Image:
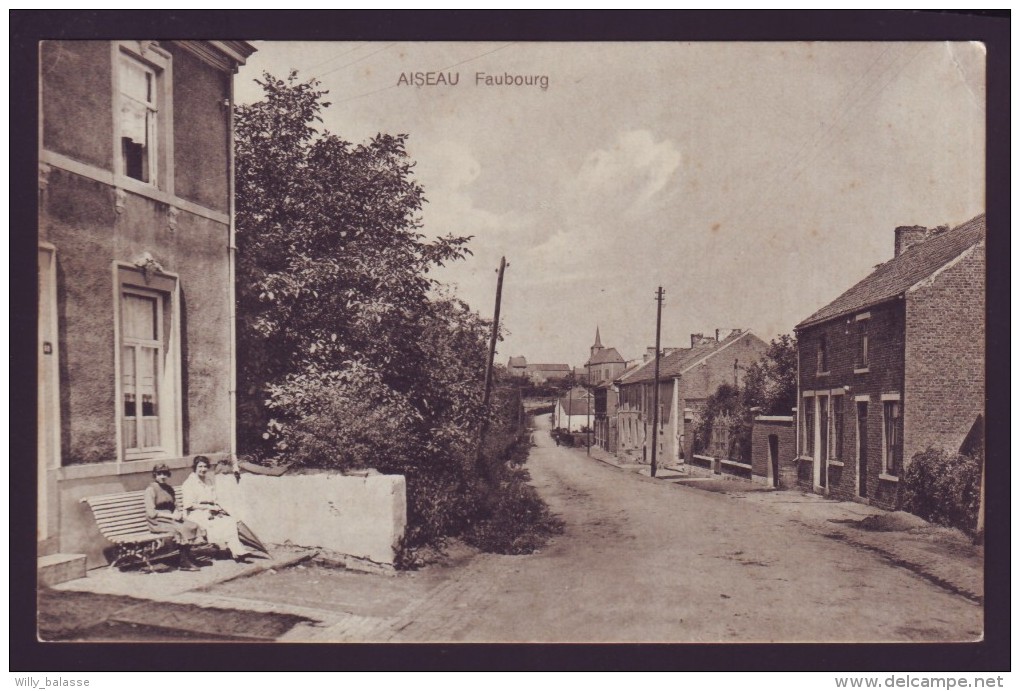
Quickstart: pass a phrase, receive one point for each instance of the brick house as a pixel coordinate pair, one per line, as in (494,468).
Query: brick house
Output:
(135,260)
(687,377)
(894,365)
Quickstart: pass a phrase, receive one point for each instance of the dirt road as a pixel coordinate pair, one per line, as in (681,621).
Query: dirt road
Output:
(640,560)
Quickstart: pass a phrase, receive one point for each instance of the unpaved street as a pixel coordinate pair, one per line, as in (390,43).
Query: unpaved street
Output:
(646,560)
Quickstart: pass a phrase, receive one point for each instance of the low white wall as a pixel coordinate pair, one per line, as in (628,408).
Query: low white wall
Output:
(358,516)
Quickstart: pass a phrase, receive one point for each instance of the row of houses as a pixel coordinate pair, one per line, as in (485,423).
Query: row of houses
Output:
(537,373)
(892,366)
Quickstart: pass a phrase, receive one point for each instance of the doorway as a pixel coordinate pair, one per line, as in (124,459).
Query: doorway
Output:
(774,458)
(862,449)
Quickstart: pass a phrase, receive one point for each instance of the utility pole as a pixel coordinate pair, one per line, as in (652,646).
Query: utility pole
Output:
(587,434)
(488,366)
(655,411)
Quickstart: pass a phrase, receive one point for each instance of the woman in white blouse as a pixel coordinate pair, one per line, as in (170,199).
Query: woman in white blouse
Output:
(201,506)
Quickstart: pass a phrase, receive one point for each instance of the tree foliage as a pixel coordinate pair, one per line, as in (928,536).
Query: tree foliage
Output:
(332,267)
(349,354)
(771,383)
(723,427)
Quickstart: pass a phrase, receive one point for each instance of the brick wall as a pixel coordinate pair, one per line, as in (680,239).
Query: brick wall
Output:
(786,434)
(945,349)
(884,375)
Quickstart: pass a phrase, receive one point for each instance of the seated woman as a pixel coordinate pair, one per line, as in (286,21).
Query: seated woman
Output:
(201,506)
(164,516)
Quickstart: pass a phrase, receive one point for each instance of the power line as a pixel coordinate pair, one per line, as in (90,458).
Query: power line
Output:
(354,62)
(339,55)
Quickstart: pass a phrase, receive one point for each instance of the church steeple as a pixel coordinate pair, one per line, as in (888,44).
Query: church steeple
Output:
(598,343)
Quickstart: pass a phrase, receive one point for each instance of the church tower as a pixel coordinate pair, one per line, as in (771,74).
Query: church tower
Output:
(597,346)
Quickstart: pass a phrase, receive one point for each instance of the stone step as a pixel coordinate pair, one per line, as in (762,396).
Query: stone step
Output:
(60,568)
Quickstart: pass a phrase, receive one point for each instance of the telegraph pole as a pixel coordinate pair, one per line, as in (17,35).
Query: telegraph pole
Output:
(488,365)
(655,412)
(587,434)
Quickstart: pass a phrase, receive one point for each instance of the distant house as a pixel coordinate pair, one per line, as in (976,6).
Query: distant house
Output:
(687,377)
(136,265)
(894,365)
(575,410)
(517,367)
(543,373)
(603,366)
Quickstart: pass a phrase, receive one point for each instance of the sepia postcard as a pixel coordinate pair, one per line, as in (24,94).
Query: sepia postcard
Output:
(512,341)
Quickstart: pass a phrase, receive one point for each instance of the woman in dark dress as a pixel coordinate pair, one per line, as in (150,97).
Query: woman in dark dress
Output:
(164,516)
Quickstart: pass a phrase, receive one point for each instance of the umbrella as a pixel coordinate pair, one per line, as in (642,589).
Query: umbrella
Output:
(249,538)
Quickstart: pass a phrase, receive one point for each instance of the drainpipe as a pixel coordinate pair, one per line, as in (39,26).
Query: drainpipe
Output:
(231,289)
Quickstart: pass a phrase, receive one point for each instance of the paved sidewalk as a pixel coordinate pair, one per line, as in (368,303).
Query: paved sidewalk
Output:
(943,556)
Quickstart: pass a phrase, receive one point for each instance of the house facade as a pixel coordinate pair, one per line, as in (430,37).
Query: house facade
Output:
(894,365)
(574,411)
(687,377)
(543,373)
(517,366)
(603,366)
(135,260)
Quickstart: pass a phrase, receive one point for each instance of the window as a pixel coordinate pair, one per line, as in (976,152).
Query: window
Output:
(862,344)
(823,354)
(138,118)
(809,426)
(142,116)
(149,369)
(891,450)
(836,439)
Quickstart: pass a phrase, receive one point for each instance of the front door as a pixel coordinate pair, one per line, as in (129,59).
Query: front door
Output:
(823,440)
(774,458)
(862,449)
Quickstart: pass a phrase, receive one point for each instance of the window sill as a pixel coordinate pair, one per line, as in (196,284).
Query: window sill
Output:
(82,471)
(805,458)
(888,478)
(822,374)
(861,370)
(838,464)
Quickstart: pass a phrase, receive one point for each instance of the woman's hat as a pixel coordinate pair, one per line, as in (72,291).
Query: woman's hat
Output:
(160,468)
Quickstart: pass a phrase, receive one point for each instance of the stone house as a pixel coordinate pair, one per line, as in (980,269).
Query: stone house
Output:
(543,373)
(894,365)
(136,262)
(517,366)
(603,366)
(687,377)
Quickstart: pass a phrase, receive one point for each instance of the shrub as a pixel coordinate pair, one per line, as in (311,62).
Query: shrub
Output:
(944,488)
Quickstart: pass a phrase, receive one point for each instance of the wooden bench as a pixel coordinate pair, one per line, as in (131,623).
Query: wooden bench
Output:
(121,519)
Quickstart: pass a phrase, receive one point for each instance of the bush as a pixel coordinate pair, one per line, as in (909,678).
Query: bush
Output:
(944,488)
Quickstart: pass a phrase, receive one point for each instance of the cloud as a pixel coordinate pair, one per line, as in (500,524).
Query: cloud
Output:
(634,169)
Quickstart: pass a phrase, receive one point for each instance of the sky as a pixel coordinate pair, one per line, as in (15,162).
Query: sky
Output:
(754,182)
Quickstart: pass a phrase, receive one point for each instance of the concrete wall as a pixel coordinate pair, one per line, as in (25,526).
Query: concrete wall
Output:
(945,356)
(77,92)
(362,517)
(201,153)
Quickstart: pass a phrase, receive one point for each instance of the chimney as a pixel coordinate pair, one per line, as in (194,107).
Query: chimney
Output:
(908,236)
(717,335)
(696,339)
(649,353)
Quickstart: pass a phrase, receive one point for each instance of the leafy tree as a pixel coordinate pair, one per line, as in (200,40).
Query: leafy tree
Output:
(723,427)
(771,382)
(332,269)
(349,354)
